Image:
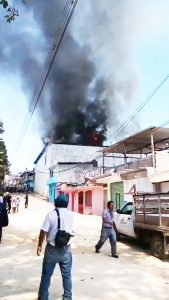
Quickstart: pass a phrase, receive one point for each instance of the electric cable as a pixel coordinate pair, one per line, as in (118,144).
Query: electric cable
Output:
(139,108)
(32,102)
(100,156)
(66,23)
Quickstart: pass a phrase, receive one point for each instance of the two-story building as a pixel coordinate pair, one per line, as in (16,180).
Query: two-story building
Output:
(59,164)
(145,165)
(27,180)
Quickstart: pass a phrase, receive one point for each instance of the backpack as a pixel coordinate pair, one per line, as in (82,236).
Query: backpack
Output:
(62,237)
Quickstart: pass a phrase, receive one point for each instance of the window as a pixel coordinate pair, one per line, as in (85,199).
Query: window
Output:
(127,209)
(88,198)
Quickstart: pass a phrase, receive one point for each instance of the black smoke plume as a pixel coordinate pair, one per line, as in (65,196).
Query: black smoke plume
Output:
(76,105)
(78,109)
(91,79)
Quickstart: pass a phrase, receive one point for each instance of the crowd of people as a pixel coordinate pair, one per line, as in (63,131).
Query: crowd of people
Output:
(13,203)
(9,204)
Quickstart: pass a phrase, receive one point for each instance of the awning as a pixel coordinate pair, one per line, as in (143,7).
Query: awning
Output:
(141,142)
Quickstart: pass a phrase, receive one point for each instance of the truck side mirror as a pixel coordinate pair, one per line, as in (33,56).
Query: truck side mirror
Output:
(118,211)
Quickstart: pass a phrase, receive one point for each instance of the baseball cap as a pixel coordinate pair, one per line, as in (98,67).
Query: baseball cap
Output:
(62,197)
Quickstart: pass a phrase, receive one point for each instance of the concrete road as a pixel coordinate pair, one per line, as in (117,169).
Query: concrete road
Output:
(134,276)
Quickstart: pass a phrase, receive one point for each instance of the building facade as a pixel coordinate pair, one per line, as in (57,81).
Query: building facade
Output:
(70,164)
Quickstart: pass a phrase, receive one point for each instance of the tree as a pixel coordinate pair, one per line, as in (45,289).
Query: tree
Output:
(4,163)
(1,127)
(11,11)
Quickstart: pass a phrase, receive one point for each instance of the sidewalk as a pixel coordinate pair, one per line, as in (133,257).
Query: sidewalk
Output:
(135,275)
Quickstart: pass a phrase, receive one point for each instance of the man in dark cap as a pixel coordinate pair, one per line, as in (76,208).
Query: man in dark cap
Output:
(56,254)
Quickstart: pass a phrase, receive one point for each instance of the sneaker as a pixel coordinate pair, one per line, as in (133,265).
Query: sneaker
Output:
(97,250)
(115,256)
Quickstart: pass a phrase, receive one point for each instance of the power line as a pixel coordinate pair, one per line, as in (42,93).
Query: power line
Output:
(33,99)
(71,9)
(99,156)
(139,108)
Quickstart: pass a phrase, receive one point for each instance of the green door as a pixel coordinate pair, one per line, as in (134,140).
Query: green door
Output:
(117,194)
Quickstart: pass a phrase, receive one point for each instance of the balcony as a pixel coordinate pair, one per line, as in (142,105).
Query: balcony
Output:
(134,163)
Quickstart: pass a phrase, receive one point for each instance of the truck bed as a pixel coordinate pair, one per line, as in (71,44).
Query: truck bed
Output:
(152,219)
(163,229)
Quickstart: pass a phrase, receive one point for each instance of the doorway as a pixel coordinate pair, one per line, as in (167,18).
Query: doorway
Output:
(80,202)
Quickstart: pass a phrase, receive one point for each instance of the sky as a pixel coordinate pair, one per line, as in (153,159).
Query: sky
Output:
(129,44)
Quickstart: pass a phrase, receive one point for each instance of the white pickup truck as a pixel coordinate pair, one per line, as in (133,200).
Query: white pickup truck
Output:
(146,218)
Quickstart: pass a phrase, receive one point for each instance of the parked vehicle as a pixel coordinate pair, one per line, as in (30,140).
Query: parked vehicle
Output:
(146,218)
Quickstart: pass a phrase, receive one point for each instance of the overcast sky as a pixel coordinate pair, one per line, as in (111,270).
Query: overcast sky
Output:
(129,44)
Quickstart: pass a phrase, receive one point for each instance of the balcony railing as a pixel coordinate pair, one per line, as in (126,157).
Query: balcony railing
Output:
(136,164)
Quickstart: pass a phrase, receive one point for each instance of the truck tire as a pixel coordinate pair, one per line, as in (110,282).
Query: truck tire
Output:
(157,246)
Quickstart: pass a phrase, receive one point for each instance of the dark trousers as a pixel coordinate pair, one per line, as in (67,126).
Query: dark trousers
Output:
(26,204)
(9,208)
(0,233)
(107,233)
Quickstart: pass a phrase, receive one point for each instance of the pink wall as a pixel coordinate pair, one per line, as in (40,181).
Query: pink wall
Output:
(97,200)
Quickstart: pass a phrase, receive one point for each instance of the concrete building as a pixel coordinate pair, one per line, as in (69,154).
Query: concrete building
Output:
(145,166)
(134,165)
(70,164)
(86,199)
(27,180)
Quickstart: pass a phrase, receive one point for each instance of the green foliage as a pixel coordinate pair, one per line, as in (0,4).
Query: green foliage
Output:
(4,3)
(11,14)
(1,127)
(11,11)
(4,163)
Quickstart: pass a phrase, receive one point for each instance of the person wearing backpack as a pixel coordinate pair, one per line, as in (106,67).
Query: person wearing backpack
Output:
(57,228)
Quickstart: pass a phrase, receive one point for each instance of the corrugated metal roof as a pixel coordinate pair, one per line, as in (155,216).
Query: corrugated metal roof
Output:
(141,142)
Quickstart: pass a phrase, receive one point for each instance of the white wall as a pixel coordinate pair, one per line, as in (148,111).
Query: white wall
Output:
(143,184)
(164,187)
(162,161)
(42,173)
(72,173)
(67,173)
(73,153)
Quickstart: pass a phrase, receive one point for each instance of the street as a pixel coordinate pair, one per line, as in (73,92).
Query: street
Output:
(135,275)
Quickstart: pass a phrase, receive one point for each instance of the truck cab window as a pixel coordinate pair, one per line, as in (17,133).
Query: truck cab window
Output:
(127,209)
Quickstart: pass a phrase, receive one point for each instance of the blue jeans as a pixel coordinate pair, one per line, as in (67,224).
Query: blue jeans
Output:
(107,233)
(52,256)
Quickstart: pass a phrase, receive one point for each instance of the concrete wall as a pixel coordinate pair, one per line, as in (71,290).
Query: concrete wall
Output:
(164,187)
(73,153)
(59,153)
(142,183)
(72,173)
(98,201)
(42,173)
(162,161)
(76,205)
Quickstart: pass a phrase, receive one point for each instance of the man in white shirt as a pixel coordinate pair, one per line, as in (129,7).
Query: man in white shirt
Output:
(108,231)
(17,204)
(54,254)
